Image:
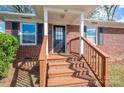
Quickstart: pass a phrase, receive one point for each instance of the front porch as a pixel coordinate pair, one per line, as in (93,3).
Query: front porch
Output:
(63,64)
(62,60)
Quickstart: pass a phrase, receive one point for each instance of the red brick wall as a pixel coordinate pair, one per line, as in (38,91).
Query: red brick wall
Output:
(23,51)
(28,51)
(72,32)
(113,43)
(8,28)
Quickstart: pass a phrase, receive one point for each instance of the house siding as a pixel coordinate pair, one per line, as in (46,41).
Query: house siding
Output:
(28,52)
(72,32)
(113,41)
(8,30)
(23,51)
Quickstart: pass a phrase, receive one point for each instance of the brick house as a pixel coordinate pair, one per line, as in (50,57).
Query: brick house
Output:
(55,33)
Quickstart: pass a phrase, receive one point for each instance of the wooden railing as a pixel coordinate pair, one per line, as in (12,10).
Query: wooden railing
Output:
(43,62)
(96,61)
(73,45)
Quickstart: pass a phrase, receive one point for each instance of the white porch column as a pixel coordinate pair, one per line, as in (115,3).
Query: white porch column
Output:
(46,27)
(81,33)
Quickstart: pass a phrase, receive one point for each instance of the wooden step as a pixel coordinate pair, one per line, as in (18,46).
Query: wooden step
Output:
(58,63)
(66,81)
(57,60)
(58,72)
(57,57)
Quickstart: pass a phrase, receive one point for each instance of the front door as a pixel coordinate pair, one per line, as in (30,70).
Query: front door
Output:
(59,39)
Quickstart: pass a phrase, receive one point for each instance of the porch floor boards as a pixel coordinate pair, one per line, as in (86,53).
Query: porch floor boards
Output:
(58,56)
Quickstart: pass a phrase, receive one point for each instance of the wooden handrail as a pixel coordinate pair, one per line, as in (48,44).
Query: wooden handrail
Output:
(43,62)
(73,39)
(96,61)
(71,48)
(95,48)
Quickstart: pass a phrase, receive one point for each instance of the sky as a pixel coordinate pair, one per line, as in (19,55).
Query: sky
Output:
(119,14)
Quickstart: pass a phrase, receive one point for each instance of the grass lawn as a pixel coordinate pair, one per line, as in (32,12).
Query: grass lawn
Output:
(116,76)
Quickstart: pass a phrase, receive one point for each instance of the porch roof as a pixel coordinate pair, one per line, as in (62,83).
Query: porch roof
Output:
(39,17)
(54,17)
(86,9)
(64,14)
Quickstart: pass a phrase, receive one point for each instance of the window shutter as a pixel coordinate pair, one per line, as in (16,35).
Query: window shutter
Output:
(39,33)
(101,36)
(85,30)
(15,28)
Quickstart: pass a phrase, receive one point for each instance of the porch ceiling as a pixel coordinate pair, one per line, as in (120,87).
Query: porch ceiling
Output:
(65,17)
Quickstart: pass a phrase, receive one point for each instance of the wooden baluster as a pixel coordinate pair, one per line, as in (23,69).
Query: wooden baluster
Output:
(92,59)
(102,69)
(86,51)
(105,72)
(98,64)
(89,55)
(95,61)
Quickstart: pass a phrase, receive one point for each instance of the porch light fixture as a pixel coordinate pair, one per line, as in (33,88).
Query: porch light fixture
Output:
(62,16)
(65,10)
(94,22)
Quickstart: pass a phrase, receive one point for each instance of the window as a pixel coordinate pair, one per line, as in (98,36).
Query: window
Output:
(91,34)
(28,34)
(2,27)
(59,34)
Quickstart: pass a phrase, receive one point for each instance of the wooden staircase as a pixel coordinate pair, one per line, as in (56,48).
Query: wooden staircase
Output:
(67,72)
(70,71)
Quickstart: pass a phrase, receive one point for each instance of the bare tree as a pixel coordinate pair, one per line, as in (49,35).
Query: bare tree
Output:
(105,12)
(110,11)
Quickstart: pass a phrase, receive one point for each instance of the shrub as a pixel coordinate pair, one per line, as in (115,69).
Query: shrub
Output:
(8,47)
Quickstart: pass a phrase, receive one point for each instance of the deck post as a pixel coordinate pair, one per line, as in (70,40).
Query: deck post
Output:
(46,27)
(81,33)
